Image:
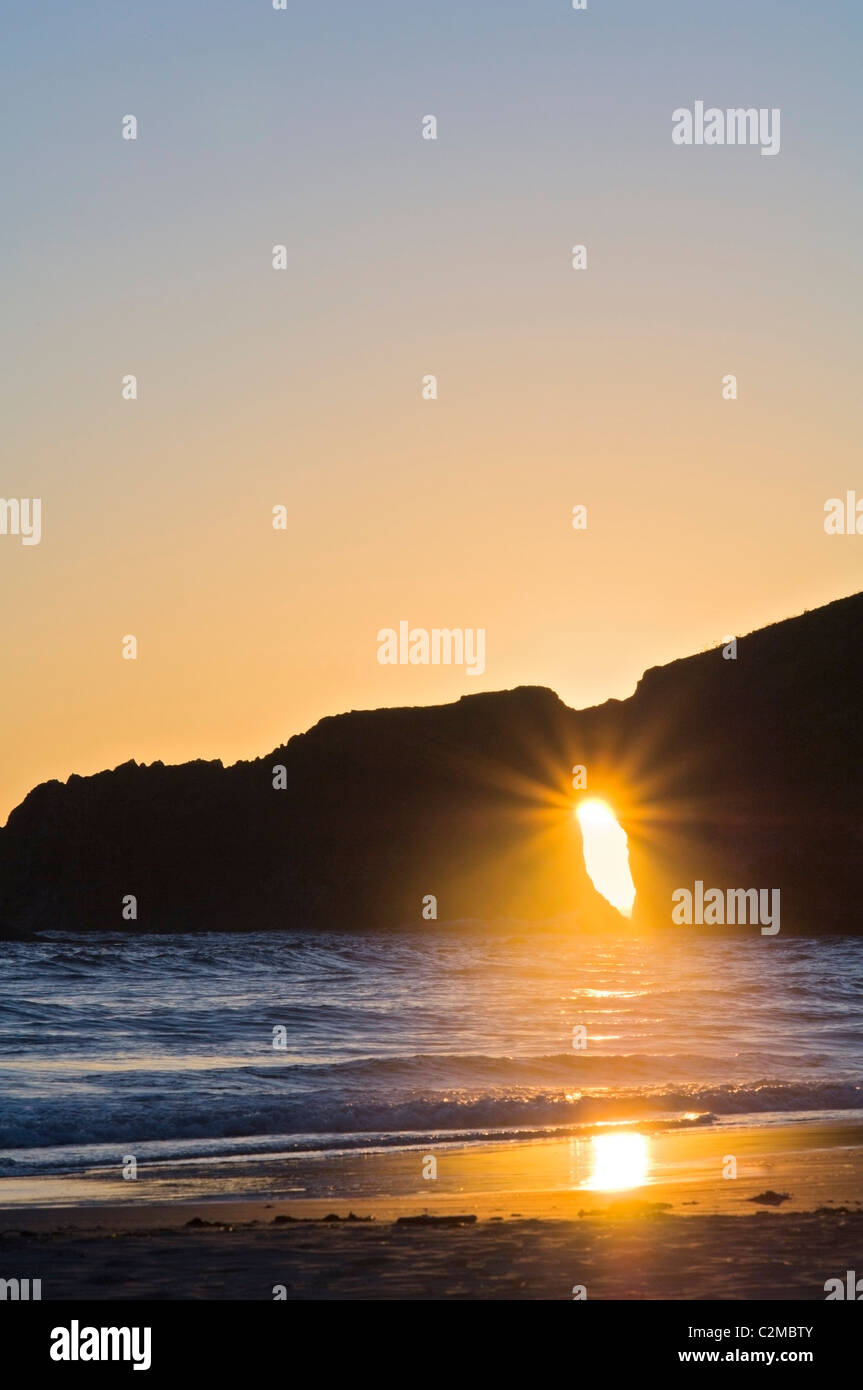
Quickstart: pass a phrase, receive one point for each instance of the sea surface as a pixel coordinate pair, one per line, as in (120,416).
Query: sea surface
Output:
(163,1048)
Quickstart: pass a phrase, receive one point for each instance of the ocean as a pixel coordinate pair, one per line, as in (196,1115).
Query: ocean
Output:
(163,1048)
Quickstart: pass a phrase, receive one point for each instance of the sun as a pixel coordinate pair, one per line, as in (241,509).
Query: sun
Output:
(606,854)
(593,812)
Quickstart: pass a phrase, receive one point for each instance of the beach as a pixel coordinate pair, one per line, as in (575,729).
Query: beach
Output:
(431,1130)
(506,1224)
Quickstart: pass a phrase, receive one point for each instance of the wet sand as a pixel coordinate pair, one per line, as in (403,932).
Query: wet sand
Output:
(685,1232)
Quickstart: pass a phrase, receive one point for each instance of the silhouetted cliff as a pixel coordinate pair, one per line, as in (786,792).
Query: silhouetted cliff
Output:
(741,773)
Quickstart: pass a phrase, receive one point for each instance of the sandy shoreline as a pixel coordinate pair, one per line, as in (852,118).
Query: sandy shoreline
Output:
(643,1256)
(817,1164)
(684,1233)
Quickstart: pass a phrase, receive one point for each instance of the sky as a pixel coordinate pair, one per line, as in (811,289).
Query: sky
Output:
(407,257)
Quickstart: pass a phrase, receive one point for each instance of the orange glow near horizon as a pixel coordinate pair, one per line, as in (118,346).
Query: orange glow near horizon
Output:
(303,389)
(606,855)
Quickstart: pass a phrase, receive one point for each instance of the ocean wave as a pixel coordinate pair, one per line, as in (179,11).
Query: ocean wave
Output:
(52,1125)
(154,1045)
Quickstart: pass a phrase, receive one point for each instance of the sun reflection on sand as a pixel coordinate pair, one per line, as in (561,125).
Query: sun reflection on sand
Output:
(620,1161)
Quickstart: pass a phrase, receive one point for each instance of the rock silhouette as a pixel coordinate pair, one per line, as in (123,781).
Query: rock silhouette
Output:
(742,773)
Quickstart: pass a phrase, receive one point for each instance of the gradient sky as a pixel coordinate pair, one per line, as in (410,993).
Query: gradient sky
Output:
(409,257)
